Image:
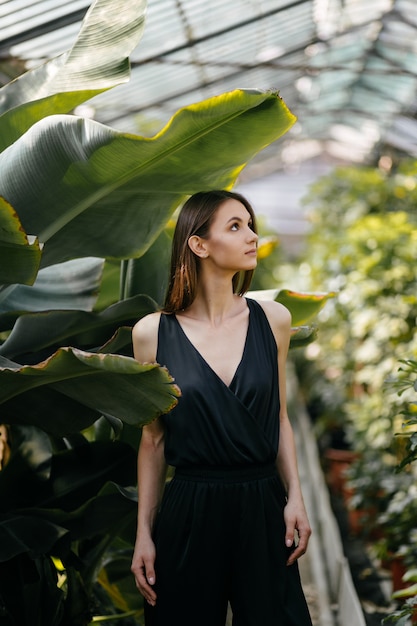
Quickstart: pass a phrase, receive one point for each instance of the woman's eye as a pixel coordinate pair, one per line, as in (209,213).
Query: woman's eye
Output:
(235,226)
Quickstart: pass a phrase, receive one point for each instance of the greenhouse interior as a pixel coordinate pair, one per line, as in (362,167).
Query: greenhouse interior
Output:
(113,113)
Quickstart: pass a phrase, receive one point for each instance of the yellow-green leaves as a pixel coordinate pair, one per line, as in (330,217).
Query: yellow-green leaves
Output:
(108,194)
(19,259)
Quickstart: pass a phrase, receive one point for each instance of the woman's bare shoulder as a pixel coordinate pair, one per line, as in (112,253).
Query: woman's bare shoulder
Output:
(278,315)
(279,319)
(145,338)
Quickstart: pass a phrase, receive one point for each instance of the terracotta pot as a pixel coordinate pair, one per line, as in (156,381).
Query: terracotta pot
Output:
(362,521)
(337,463)
(398,570)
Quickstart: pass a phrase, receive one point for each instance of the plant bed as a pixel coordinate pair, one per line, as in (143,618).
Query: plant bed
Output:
(372,583)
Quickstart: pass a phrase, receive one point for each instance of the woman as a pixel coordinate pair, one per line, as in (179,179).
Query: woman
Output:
(227,525)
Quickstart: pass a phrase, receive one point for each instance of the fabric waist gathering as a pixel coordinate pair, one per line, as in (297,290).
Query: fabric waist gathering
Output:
(226,474)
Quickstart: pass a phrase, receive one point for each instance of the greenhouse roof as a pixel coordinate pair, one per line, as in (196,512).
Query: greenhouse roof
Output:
(346,68)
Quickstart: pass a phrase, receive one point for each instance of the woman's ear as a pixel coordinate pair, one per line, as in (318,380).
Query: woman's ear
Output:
(198,246)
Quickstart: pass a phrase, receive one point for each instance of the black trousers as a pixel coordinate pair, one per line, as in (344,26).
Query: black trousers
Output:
(220,537)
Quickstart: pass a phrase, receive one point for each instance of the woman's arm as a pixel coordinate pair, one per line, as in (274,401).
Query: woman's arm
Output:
(151,480)
(295,515)
(151,470)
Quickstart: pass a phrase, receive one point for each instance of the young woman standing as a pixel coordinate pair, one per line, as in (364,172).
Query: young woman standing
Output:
(231,524)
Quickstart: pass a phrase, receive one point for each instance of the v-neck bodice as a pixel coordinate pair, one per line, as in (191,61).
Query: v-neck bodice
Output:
(216,424)
(207,364)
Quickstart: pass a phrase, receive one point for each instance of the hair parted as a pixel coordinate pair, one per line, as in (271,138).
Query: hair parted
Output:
(195,218)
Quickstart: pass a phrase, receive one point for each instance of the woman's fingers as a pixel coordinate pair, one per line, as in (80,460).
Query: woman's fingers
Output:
(143,569)
(297,533)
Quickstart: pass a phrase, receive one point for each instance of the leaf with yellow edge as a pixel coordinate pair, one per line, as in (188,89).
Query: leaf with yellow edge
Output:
(19,259)
(302,335)
(116,190)
(89,385)
(302,306)
(266,246)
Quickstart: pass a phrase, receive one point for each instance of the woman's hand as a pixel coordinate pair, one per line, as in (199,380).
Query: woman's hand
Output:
(143,568)
(297,529)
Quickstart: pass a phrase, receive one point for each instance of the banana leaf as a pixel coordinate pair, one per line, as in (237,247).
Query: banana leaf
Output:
(20,533)
(71,389)
(97,61)
(302,306)
(81,493)
(104,193)
(29,592)
(301,336)
(149,273)
(71,285)
(48,330)
(19,259)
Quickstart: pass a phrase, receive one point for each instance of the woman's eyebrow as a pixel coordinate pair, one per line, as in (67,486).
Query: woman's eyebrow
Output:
(238,219)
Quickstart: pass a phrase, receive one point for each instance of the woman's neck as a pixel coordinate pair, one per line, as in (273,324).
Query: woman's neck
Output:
(214,302)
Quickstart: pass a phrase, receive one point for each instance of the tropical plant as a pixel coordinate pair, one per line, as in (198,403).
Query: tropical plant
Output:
(398,524)
(362,245)
(366,256)
(406,385)
(408,597)
(75,192)
(400,515)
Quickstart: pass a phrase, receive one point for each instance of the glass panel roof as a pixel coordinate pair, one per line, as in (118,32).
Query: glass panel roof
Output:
(346,68)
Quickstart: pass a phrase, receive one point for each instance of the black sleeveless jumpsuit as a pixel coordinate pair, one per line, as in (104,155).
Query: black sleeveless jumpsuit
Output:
(219,534)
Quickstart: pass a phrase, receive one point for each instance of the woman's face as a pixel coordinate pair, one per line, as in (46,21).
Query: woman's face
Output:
(231,243)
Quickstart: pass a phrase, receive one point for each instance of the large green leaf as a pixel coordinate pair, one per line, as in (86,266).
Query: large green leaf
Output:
(70,285)
(302,306)
(103,383)
(120,343)
(30,593)
(116,191)
(92,506)
(49,410)
(97,61)
(27,533)
(38,332)
(19,259)
(48,479)
(149,273)
(302,335)
(118,582)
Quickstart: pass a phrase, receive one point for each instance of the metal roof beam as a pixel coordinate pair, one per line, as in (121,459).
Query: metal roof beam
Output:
(36,31)
(224,31)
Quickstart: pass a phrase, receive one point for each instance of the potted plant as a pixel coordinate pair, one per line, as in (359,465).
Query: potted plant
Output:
(398,524)
(371,483)
(409,608)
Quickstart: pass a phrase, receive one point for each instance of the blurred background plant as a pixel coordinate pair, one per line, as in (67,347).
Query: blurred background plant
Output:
(362,245)
(72,397)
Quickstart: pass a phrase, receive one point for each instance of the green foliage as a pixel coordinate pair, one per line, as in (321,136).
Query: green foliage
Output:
(71,394)
(367,257)
(130,183)
(19,259)
(97,61)
(409,608)
(398,523)
(406,383)
(363,246)
(62,501)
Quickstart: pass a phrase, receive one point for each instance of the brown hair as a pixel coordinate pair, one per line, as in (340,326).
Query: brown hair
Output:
(195,218)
